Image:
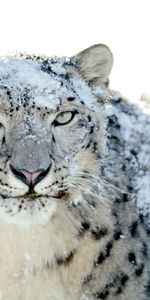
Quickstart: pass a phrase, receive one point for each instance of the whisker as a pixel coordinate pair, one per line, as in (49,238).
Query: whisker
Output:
(87,190)
(100,181)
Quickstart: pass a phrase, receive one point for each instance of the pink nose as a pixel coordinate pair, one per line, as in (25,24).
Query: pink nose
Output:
(31,177)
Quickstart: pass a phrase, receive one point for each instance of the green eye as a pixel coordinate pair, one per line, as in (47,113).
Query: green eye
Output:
(64,118)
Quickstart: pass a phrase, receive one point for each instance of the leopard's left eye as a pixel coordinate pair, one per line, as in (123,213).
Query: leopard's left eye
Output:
(64,118)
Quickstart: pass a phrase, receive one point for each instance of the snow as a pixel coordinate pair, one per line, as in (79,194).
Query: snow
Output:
(18,75)
(58,68)
(143,185)
(135,133)
(83,92)
(50,102)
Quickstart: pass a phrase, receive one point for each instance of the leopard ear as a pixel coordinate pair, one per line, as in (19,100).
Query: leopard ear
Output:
(95,63)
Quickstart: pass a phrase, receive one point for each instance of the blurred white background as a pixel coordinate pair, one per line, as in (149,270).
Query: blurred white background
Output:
(64,27)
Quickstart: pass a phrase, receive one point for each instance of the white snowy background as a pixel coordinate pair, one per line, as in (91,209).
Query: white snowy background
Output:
(64,27)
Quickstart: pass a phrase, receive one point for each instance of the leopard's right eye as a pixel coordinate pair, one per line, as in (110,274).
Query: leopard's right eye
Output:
(2,135)
(64,118)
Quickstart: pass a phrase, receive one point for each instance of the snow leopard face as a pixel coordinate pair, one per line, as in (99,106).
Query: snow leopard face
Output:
(51,130)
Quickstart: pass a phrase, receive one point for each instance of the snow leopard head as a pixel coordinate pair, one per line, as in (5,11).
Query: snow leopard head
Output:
(51,129)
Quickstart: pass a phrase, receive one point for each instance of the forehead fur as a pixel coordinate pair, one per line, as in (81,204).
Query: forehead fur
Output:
(28,80)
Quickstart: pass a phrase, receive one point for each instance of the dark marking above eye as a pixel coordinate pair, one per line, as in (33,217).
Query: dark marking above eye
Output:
(65,76)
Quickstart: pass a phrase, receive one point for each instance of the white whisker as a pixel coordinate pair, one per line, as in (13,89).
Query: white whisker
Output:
(100,181)
(87,190)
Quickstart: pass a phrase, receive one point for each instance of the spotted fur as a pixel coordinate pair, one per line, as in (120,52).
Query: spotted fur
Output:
(82,230)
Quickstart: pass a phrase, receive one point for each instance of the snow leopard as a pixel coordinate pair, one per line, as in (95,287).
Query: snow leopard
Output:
(74,181)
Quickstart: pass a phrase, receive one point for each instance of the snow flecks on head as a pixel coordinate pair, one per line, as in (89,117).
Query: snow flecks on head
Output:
(91,95)
(58,68)
(25,81)
(84,92)
(51,102)
(31,83)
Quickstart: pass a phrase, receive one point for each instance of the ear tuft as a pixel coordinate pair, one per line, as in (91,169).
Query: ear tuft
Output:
(95,63)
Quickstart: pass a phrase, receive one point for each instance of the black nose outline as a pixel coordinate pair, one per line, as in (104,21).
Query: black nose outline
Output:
(18,174)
